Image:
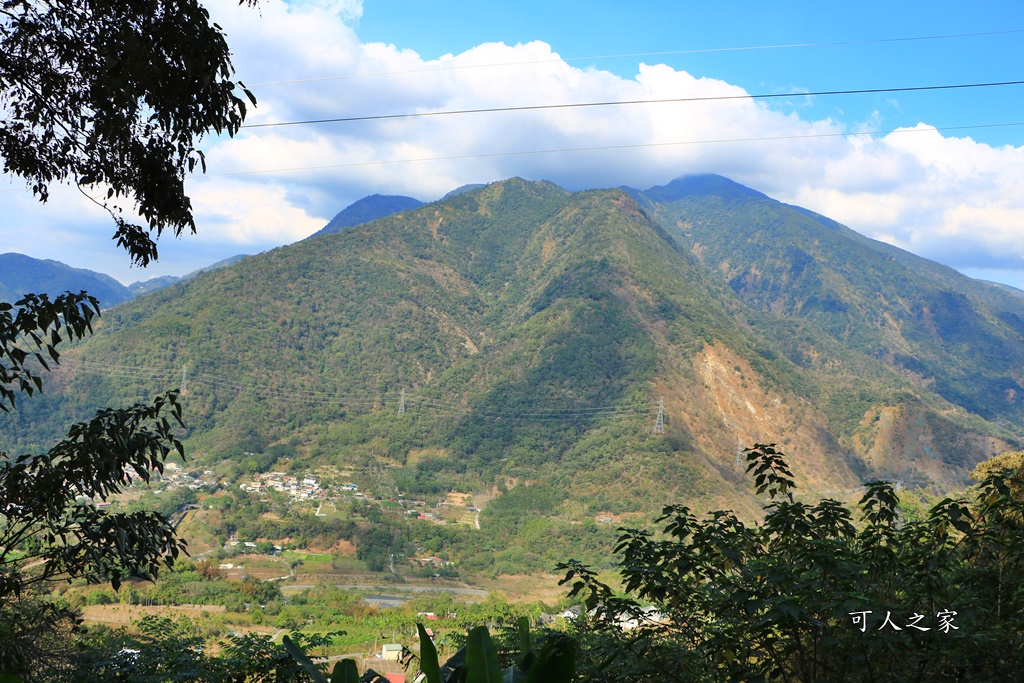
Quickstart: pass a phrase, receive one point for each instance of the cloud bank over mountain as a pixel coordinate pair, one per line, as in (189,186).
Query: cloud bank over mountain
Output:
(937,193)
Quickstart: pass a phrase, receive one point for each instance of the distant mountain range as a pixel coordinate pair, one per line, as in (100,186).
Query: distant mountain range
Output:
(20,275)
(530,333)
(153,284)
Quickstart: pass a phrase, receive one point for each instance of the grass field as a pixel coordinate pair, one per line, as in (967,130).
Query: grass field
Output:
(347,564)
(330,511)
(523,588)
(119,615)
(312,563)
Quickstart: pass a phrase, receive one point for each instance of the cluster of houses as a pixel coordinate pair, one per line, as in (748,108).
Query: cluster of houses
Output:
(175,476)
(305,488)
(627,621)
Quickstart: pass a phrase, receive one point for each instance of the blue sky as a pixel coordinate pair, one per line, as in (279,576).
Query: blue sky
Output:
(710,32)
(956,196)
(581,29)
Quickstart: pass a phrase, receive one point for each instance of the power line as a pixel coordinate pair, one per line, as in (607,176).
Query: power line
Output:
(592,148)
(627,146)
(618,103)
(283,394)
(669,53)
(611,412)
(554,411)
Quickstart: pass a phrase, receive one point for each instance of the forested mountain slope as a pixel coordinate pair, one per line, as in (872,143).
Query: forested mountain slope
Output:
(945,333)
(533,332)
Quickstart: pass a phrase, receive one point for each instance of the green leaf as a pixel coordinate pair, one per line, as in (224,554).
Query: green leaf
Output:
(513,674)
(556,661)
(345,671)
(481,658)
(524,638)
(299,656)
(428,657)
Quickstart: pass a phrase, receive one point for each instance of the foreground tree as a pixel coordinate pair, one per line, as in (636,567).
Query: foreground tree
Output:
(112,96)
(806,595)
(160,649)
(50,528)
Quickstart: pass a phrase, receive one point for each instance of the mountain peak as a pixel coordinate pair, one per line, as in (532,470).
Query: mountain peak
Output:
(463,189)
(367,209)
(703,185)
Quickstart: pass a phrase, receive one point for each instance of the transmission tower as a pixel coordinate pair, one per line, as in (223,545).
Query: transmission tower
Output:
(659,422)
(401,403)
(184,380)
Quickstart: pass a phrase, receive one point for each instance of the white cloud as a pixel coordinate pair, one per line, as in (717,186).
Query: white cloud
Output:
(347,10)
(248,215)
(952,199)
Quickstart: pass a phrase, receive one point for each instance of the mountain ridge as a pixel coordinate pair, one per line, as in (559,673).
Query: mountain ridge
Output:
(839,284)
(533,330)
(21,274)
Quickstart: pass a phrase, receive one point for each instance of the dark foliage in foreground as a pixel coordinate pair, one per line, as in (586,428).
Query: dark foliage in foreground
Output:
(805,594)
(114,95)
(50,528)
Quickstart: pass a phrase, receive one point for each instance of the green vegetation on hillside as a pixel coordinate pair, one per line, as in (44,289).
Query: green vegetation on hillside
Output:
(530,333)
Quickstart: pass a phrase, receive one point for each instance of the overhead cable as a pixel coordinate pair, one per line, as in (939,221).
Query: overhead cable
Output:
(619,103)
(533,412)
